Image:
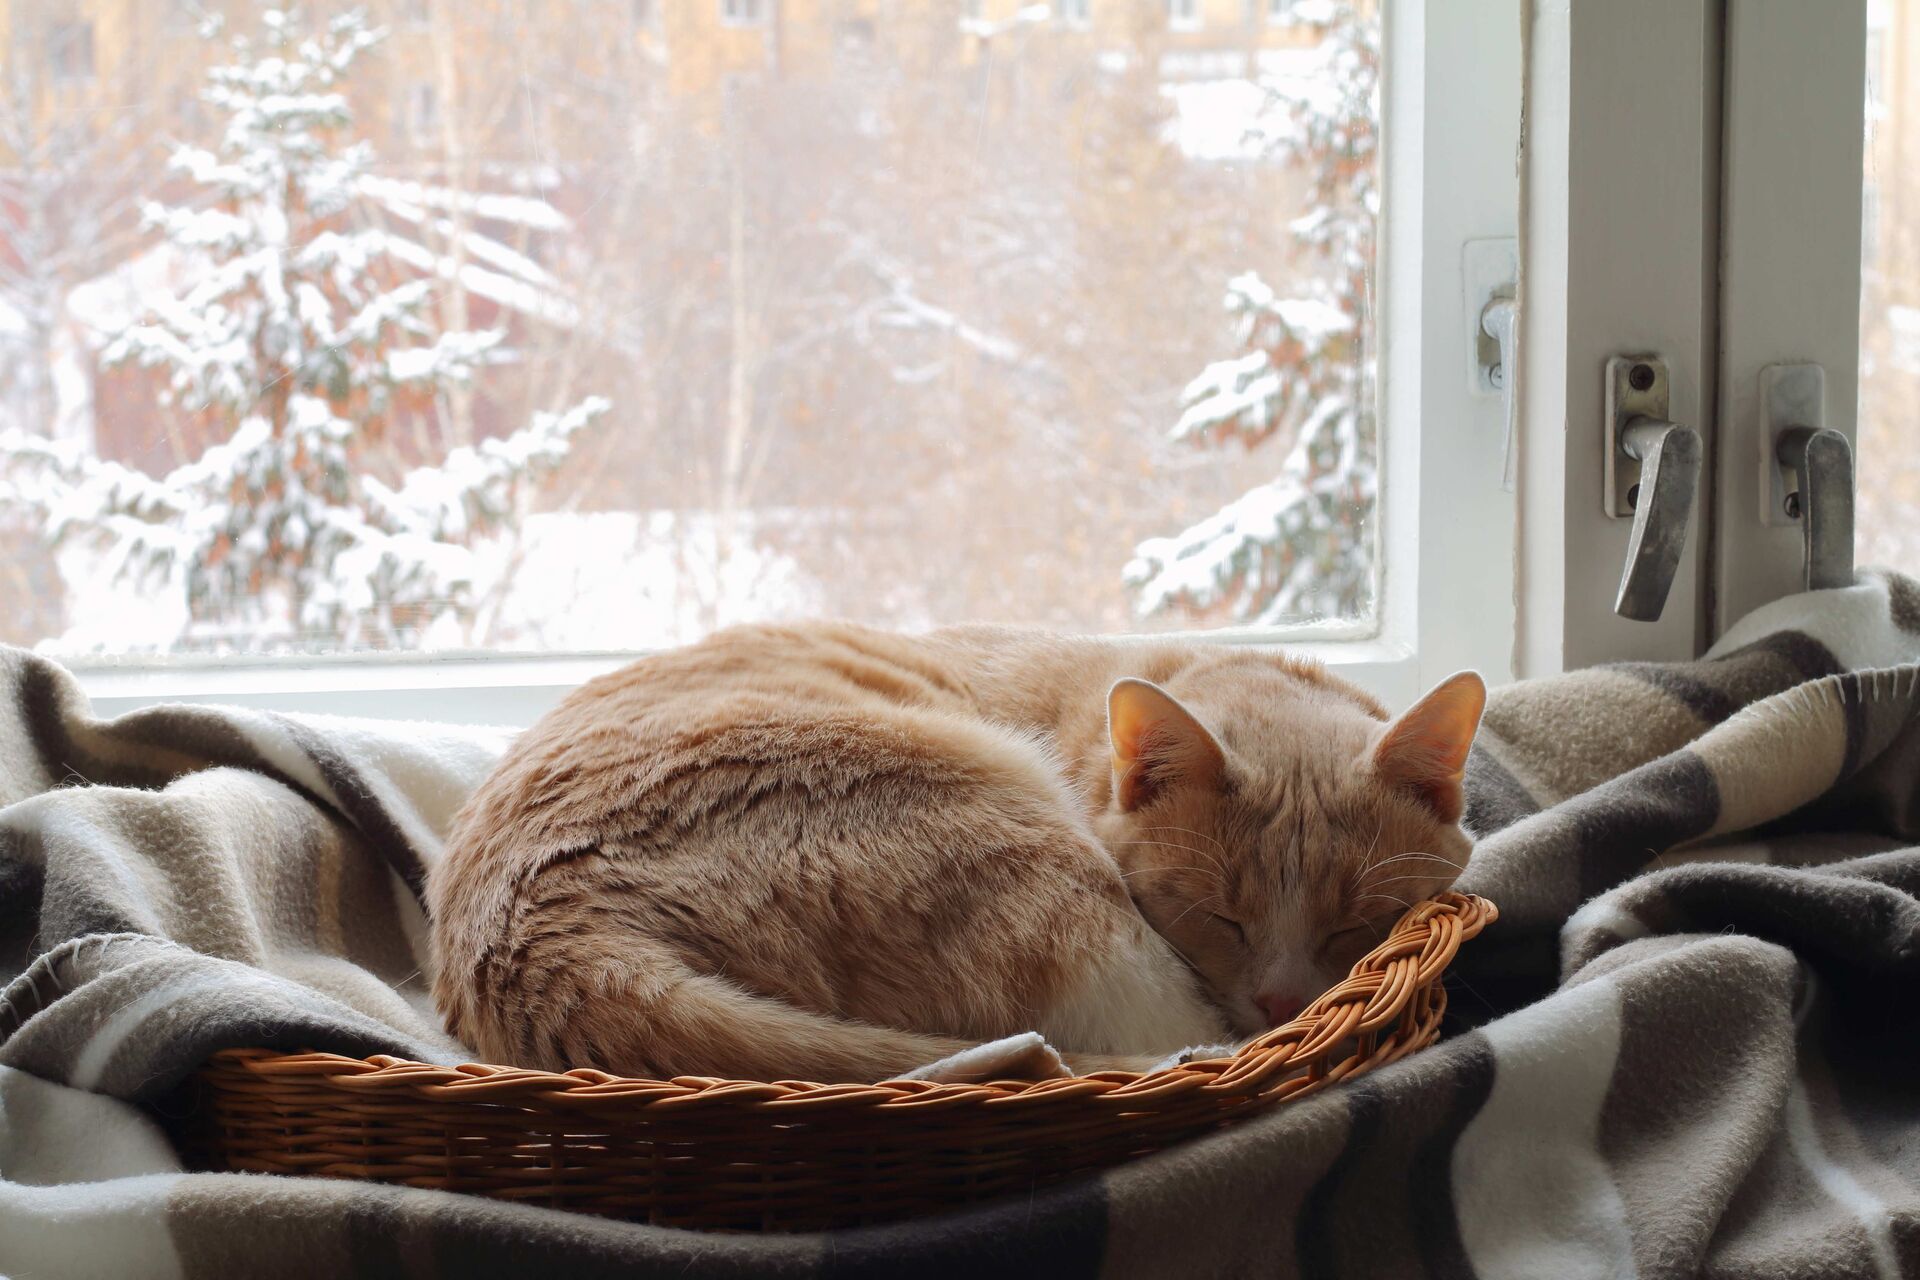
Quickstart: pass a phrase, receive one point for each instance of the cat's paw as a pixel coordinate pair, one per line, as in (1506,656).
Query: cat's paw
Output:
(1195,1053)
(1023,1057)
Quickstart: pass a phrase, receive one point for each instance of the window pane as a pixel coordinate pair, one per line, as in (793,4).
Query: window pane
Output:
(461,328)
(1887,521)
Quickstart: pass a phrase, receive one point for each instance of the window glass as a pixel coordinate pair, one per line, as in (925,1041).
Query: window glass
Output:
(444,327)
(1887,465)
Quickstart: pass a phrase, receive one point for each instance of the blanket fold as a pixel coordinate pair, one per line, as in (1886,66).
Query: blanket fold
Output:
(1687,1047)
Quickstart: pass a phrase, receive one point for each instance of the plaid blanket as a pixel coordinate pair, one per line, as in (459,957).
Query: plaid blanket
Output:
(1688,1047)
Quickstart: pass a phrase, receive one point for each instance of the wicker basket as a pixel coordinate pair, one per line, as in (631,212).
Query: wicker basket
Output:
(728,1154)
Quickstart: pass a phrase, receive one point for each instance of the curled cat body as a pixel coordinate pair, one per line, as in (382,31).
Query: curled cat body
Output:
(833,853)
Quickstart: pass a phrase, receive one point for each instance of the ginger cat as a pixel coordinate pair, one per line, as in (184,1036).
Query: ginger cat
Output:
(832,853)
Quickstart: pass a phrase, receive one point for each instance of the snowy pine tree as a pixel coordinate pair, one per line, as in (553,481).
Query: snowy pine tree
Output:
(304,339)
(1300,546)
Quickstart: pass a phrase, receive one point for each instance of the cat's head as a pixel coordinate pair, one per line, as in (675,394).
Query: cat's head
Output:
(1273,830)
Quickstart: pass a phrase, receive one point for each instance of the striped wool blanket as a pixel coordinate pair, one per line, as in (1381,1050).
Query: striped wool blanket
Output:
(1690,1045)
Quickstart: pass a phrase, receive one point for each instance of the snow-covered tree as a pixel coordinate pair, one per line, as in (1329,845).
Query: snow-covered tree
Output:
(303,343)
(1300,546)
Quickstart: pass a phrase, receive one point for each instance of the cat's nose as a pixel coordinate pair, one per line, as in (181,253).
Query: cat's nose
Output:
(1279,1009)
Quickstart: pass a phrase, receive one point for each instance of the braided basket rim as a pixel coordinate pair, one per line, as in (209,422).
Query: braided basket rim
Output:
(792,1155)
(1377,991)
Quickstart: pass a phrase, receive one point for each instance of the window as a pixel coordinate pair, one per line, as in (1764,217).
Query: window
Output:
(423,112)
(1183,15)
(1280,12)
(1877,72)
(1075,13)
(70,51)
(1887,465)
(905,349)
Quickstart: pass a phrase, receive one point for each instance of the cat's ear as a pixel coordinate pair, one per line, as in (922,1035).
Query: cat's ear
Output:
(1157,744)
(1425,750)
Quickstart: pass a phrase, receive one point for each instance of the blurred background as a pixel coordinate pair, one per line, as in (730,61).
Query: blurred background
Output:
(477,324)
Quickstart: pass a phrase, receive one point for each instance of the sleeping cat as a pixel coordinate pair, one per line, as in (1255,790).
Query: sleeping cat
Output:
(832,853)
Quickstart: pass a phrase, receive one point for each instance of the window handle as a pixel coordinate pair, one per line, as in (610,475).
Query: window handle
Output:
(1809,471)
(1497,321)
(1820,462)
(1652,472)
(1669,458)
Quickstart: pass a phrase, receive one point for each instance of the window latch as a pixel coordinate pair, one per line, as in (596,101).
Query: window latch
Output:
(1807,472)
(1651,472)
(1490,269)
(1497,321)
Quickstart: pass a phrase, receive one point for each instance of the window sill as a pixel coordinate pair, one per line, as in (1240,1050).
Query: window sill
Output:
(514,691)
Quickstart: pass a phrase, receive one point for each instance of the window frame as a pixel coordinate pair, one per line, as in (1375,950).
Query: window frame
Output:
(1451,90)
(1618,257)
(1692,172)
(1793,178)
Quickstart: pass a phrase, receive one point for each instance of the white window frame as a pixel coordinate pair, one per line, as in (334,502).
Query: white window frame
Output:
(1693,186)
(1451,87)
(1621,182)
(1077,14)
(1790,264)
(1184,15)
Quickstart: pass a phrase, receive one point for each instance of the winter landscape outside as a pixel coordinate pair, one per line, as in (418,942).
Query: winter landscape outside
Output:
(476,324)
(1887,453)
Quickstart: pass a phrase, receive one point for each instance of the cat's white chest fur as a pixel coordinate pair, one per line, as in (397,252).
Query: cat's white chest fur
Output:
(1135,996)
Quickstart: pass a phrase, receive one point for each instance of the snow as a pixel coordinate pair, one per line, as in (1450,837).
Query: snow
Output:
(410,200)
(1218,119)
(1297,547)
(273,325)
(516,295)
(642,580)
(1234,117)
(569,582)
(1029,16)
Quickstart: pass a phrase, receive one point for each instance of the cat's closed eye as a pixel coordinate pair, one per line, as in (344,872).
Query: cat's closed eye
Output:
(1358,938)
(1238,930)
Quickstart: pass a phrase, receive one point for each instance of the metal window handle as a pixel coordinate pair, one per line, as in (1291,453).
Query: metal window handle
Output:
(1669,458)
(1497,321)
(1652,471)
(1820,462)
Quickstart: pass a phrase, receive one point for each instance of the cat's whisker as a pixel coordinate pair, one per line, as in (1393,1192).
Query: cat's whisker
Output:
(1403,904)
(1189,831)
(1357,871)
(1217,870)
(1191,908)
(1128,875)
(1390,879)
(1401,857)
(1218,860)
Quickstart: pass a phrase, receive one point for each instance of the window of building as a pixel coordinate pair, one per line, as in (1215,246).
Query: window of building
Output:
(70,51)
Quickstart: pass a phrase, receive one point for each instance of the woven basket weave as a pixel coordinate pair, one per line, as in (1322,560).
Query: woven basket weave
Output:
(729,1154)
